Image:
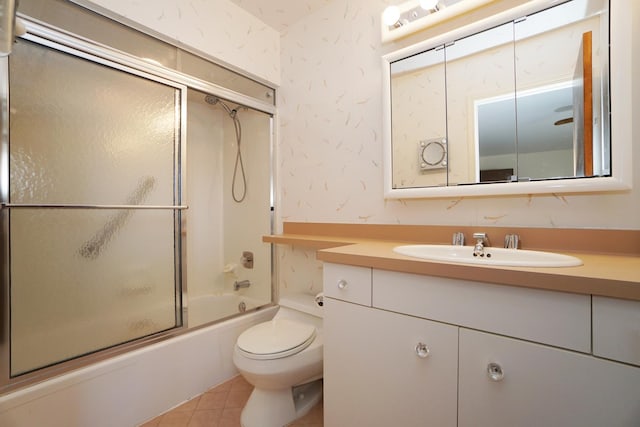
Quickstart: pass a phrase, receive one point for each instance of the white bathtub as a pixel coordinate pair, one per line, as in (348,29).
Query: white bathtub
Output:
(207,308)
(132,388)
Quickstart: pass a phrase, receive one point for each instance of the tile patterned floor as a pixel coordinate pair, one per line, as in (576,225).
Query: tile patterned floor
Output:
(221,407)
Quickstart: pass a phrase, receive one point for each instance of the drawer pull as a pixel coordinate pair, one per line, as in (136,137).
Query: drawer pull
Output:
(495,372)
(342,284)
(422,350)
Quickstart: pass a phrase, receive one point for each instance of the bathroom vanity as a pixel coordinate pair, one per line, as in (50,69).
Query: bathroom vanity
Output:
(412,342)
(413,349)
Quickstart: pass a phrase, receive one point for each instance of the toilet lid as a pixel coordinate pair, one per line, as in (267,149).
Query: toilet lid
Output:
(276,338)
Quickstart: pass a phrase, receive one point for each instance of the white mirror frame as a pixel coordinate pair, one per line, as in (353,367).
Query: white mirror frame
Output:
(621,120)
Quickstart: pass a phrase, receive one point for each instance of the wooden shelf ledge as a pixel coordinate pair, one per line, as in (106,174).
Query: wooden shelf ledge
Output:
(330,235)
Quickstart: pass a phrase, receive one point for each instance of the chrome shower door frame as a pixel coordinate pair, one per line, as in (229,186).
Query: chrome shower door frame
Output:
(122,62)
(5,278)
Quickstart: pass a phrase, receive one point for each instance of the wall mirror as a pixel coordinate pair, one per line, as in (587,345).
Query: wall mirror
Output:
(514,104)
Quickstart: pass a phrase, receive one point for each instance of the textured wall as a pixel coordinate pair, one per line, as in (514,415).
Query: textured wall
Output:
(218,28)
(330,145)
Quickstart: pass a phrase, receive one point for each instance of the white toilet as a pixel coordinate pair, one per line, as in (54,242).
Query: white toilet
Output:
(282,359)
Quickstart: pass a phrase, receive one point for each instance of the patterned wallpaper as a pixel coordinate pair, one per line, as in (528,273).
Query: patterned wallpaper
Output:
(216,27)
(280,14)
(330,144)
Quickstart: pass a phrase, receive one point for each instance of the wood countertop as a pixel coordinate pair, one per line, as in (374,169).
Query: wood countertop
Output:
(613,271)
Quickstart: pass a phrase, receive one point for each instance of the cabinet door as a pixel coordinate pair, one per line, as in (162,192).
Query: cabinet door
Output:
(616,329)
(373,375)
(535,385)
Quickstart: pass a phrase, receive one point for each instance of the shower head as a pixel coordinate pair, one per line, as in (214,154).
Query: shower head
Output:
(210,99)
(214,100)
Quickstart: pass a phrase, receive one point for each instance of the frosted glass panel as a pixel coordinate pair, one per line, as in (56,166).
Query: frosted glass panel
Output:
(65,303)
(83,280)
(82,132)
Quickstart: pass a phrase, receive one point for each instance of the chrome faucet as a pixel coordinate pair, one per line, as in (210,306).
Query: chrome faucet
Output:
(458,239)
(481,241)
(511,241)
(241,284)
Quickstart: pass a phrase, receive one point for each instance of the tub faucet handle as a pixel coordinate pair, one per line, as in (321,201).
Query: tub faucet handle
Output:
(247,259)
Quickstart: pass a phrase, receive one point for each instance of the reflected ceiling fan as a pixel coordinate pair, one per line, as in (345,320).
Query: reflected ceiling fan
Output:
(564,121)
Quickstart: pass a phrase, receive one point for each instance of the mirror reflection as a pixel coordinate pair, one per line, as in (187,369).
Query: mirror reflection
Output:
(419,107)
(523,101)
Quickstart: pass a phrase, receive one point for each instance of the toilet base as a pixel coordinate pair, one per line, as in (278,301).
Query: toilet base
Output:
(277,408)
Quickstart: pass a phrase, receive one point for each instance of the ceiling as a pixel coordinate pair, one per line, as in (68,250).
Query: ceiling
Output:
(537,115)
(280,14)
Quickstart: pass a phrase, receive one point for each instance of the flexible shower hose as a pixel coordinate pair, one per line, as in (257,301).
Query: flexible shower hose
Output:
(238,127)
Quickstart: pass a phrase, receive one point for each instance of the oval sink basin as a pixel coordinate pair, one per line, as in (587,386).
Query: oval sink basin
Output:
(493,256)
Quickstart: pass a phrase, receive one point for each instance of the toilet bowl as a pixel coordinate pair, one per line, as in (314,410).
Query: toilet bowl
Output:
(282,359)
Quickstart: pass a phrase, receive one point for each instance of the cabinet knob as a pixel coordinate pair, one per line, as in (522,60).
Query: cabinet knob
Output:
(342,284)
(422,350)
(495,372)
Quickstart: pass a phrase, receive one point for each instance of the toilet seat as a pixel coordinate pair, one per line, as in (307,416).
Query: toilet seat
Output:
(275,339)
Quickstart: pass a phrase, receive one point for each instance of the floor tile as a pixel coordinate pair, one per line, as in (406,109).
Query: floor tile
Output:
(212,400)
(230,417)
(206,418)
(237,398)
(221,406)
(175,419)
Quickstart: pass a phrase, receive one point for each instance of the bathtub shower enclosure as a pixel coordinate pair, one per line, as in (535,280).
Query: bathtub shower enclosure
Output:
(118,214)
(216,172)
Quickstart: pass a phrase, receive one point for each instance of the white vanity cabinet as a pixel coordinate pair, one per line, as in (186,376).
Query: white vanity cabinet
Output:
(510,382)
(499,356)
(554,318)
(385,369)
(616,329)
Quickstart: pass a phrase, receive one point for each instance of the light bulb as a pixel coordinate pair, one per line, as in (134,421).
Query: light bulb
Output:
(391,15)
(429,4)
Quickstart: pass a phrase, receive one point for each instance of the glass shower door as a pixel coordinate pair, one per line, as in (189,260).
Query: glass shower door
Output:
(92,213)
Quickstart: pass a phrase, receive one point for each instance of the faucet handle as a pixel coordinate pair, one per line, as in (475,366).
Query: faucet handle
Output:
(458,238)
(511,241)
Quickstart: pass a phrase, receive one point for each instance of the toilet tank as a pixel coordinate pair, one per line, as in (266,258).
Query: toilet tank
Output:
(300,307)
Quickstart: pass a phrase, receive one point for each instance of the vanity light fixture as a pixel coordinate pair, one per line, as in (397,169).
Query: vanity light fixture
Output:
(398,16)
(391,16)
(415,15)
(430,5)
